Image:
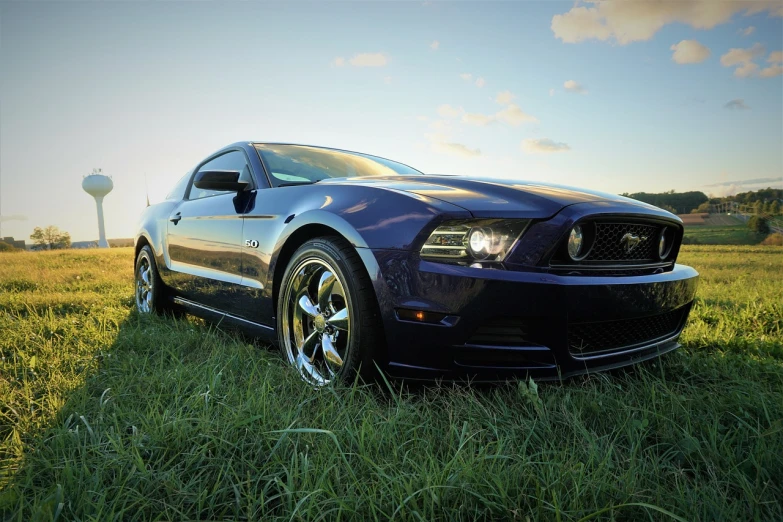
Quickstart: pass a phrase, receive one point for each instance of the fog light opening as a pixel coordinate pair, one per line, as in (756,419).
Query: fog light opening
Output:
(576,243)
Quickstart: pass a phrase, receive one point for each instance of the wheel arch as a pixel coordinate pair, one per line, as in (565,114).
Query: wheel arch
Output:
(297,238)
(141,242)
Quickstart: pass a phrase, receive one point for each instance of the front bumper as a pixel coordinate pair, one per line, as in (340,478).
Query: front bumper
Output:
(504,324)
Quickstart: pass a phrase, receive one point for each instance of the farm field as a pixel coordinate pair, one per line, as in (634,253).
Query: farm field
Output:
(105,415)
(722,235)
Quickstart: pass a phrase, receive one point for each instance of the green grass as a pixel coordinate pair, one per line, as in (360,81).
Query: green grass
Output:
(106,415)
(722,235)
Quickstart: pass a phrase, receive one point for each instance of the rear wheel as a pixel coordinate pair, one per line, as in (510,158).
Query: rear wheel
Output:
(328,321)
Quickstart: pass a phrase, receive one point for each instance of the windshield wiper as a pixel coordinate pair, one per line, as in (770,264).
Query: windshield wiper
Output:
(293,184)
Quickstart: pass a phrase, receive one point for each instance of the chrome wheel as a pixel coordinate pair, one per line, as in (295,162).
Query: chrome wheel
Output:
(144,285)
(316,321)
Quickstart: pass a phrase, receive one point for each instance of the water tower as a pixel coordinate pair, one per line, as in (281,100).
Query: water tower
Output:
(97,185)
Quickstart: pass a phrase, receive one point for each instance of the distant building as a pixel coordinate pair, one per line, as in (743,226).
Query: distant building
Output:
(121,242)
(84,244)
(20,244)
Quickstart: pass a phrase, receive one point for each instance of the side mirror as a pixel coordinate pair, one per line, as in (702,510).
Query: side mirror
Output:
(222,180)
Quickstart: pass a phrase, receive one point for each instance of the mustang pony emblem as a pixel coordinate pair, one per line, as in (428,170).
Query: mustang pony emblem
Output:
(631,241)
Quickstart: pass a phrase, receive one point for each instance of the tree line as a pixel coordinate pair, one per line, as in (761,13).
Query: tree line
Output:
(675,202)
(764,201)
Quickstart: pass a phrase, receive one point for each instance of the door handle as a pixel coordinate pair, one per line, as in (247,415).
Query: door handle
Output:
(176,218)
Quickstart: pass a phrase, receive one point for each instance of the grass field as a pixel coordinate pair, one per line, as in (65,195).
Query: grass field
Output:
(722,235)
(106,415)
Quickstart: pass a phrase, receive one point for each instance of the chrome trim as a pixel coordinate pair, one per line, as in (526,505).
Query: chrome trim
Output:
(628,351)
(464,246)
(187,302)
(206,273)
(439,232)
(577,267)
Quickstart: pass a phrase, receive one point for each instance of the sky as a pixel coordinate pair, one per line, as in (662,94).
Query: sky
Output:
(613,96)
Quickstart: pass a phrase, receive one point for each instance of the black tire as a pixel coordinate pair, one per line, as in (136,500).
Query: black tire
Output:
(364,344)
(154,299)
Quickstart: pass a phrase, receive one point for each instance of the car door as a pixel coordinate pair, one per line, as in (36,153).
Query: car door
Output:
(204,238)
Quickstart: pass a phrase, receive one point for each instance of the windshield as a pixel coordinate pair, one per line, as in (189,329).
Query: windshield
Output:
(293,164)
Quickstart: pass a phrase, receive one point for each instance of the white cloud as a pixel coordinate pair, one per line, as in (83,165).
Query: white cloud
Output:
(776,69)
(435,45)
(456,149)
(748,31)
(441,127)
(772,71)
(551,92)
(737,104)
(387,80)
(689,51)
(510,114)
(576,87)
(513,115)
(634,21)
(477,119)
(543,146)
(729,188)
(745,70)
(339,61)
(13,217)
(447,111)
(480,82)
(505,97)
(743,60)
(369,60)
(739,56)
(440,143)
(466,76)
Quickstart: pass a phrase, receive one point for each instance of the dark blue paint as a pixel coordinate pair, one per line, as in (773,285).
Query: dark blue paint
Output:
(202,257)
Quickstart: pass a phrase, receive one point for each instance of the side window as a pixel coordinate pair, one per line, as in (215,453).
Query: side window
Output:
(234,160)
(178,192)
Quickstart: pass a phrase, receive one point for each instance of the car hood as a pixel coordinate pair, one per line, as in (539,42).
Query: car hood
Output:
(490,197)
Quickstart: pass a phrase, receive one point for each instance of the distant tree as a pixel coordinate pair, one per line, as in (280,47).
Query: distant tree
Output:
(758,224)
(702,209)
(758,207)
(5,247)
(774,208)
(775,239)
(50,238)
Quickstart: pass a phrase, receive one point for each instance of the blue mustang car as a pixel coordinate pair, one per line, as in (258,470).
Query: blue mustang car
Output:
(351,262)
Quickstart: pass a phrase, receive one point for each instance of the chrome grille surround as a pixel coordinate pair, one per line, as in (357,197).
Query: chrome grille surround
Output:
(621,244)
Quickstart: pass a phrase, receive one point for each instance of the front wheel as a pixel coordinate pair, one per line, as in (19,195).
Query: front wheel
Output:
(149,288)
(328,321)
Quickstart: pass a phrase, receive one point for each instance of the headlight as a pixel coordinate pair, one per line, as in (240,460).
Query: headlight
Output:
(575,243)
(487,240)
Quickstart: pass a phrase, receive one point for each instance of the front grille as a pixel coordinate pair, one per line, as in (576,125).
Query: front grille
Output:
(610,246)
(585,339)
